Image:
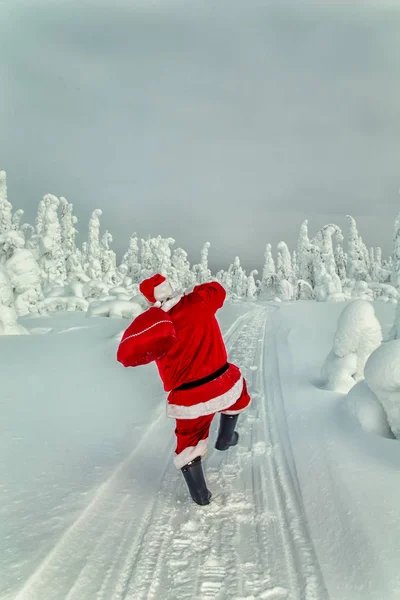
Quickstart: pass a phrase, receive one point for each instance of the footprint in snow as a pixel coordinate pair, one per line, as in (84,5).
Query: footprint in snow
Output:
(190,525)
(260,448)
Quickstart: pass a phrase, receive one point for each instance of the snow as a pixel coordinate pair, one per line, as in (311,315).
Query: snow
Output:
(358,334)
(348,476)
(382,374)
(122,309)
(367,410)
(304,508)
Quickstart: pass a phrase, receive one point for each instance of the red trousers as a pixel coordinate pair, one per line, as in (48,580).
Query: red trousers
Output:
(192,434)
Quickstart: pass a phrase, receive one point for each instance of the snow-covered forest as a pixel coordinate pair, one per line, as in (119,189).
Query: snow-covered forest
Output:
(44,269)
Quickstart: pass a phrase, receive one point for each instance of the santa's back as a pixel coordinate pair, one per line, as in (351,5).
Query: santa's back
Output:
(200,349)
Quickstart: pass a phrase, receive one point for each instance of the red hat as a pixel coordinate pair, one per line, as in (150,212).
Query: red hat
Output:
(148,286)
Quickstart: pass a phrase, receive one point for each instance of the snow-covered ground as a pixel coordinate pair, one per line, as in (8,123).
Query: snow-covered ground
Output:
(304,508)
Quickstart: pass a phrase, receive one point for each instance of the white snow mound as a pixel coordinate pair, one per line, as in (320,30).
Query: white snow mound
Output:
(363,404)
(382,373)
(358,334)
(121,309)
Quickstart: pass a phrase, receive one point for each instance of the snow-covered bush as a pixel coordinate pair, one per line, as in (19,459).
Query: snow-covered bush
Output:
(285,290)
(95,290)
(382,374)
(303,291)
(383,292)
(252,288)
(121,309)
(24,274)
(361,291)
(394,333)
(8,313)
(9,322)
(358,334)
(365,407)
(10,241)
(62,303)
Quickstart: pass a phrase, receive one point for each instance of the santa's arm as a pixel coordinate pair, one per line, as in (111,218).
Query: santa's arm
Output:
(212,293)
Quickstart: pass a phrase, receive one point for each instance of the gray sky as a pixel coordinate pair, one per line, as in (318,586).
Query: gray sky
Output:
(221,120)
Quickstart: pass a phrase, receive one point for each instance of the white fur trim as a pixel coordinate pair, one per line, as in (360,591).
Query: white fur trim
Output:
(163,291)
(144,330)
(191,453)
(166,306)
(235,412)
(177,411)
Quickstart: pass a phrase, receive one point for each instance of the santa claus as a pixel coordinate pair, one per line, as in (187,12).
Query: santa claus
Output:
(181,334)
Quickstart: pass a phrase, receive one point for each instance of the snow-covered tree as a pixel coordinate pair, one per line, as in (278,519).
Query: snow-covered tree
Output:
(68,231)
(108,260)
(321,278)
(295,268)
(51,259)
(10,241)
(371,262)
(395,276)
(76,268)
(180,262)
(366,257)
(94,247)
(269,264)
(16,219)
(303,291)
(164,256)
(376,271)
(25,280)
(362,291)
(40,216)
(383,292)
(225,279)
(324,241)
(340,263)
(239,279)
(146,256)
(284,272)
(252,289)
(356,265)
(305,255)
(269,278)
(201,270)
(131,259)
(5,205)
(8,315)
(284,262)
(358,334)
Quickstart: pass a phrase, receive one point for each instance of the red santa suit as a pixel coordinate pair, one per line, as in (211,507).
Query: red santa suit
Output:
(195,370)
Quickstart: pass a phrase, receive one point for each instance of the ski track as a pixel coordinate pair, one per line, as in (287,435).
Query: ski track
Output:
(142,538)
(252,541)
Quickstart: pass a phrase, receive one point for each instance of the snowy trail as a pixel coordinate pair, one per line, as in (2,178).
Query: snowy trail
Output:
(141,539)
(252,541)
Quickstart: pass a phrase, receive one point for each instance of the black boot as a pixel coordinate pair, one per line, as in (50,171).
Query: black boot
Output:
(194,477)
(227,436)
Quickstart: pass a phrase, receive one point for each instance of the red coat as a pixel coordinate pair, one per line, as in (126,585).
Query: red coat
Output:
(199,352)
(187,345)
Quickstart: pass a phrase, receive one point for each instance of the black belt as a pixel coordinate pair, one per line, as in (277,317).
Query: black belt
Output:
(193,384)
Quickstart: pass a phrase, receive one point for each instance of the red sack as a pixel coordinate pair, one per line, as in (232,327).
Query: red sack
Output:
(148,338)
